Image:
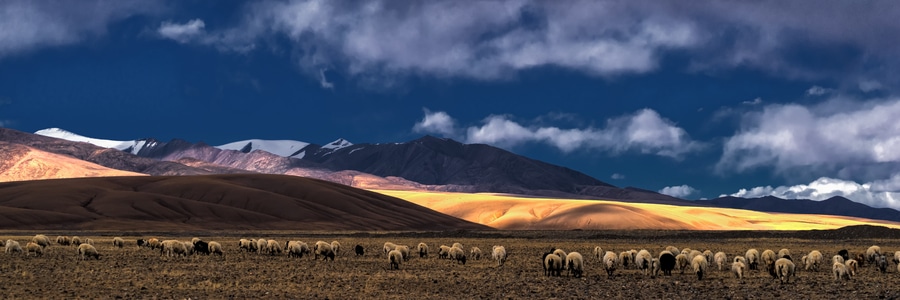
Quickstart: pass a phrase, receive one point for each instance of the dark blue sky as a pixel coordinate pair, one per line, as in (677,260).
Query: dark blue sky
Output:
(692,99)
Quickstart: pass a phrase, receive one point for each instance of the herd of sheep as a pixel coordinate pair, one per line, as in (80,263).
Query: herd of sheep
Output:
(780,265)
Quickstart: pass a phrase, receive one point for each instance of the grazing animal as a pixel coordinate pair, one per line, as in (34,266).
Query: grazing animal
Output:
(598,253)
(388,246)
(41,240)
(498,253)
(768,259)
(844,253)
(721,259)
(752,257)
(458,254)
(682,262)
(575,264)
(610,261)
(784,253)
(700,266)
(324,249)
(246,245)
(444,252)
(625,258)
(475,252)
(118,242)
(644,261)
(201,247)
(738,268)
(13,247)
(395,258)
(813,260)
(215,248)
(423,249)
(785,269)
(872,253)
(86,251)
(853,266)
(837,258)
(553,265)
(881,263)
(296,249)
(840,271)
(261,246)
(667,262)
(64,240)
(403,250)
(33,247)
(273,247)
(360,251)
(76,241)
(336,247)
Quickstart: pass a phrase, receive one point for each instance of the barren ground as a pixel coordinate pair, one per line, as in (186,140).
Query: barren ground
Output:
(142,273)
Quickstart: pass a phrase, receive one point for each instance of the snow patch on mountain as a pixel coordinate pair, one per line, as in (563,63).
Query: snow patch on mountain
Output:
(286,148)
(338,144)
(135,145)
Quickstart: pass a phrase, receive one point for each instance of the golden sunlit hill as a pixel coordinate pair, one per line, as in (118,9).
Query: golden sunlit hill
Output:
(522,213)
(210,202)
(20,162)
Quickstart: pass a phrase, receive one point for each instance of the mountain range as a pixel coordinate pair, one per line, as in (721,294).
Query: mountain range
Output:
(427,163)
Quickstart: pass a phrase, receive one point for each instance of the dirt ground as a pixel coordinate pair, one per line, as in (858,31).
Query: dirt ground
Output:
(133,272)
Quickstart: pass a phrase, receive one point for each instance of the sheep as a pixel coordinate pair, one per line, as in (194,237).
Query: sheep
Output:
(13,247)
(682,262)
(814,259)
(87,250)
(700,266)
(625,259)
(118,242)
(458,254)
(784,253)
(752,256)
(395,258)
(561,253)
(173,248)
(881,263)
(88,241)
(388,246)
(140,243)
(575,264)
(654,266)
(403,250)
(721,259)
(294,248)
(741,259)
(844,253)
(667,262)
(837,258)
(423,249)
(644,261)
(189,248)
(246,245)
(444,252)
(261,246)
(768,259)
(216,248)
(360,251)
(199,246)
(324,249)
(33,247)
(553,265)
(695,253)
(853,267)
(273,247)
(336,247)
(76,241)
(872,253)
(152,243)
(41,240)
(475,252)
(709,256)
(610,261)
(498,253)
(685,251)
(673,250)
(784,268)
(738,268)
(598,253)
(840,271)
(457,245)
(896,258)
(63,240)
(195,240)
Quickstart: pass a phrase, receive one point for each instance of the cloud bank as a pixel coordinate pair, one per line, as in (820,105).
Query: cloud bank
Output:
(644,131)
(880,193)
(678,191)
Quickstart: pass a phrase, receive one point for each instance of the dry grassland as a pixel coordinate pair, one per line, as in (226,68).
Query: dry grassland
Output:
(142,273)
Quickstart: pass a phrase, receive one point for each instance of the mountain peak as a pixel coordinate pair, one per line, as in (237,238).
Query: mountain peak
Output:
(60,133)
(338,144)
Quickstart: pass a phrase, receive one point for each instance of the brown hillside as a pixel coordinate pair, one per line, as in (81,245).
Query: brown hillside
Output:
(209,202)
(20,162)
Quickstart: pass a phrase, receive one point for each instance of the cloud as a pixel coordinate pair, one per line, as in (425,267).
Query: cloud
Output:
(436,122)
(882,193)
(645,131)
(678,191)
(31,25)
(323,81)
(869,85)
(755,101)
(617,176)
(818,91)
(182,33)
(836,135)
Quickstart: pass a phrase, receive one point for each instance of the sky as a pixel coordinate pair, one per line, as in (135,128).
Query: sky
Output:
(695,99)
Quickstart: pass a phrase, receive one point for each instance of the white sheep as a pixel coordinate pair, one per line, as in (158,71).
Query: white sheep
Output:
(695,253)
(324,249)
(814,259)
(700,266)
(118,242)
(840,271)
(561,253)
(625,259)
(598,253)
(246,245)
(853,266)
(768,259)
(498,253)
(752,257)
(738,268)
(575,264)
(336,247)
(295,248)
(553,265)
(152,243)
(610,261)
(685,251)
(63,240)
(475,253)
(87,250)
(784,269)
(784,253)
(41,240)
(273,247)
(388,246)
(395,258)
(403,250)
(423,249)
(13,247)
(741,259)
(709,256)
(872,253)
(644,261)
(457,245)
(896,258)
(837,259)
(172,248)
(458,254)
(673,250)
(88,241)
(721,260)
(216,248)
(33,247)
(76,241)
(261,246)
(444,252)
(654,266)
(682,262)
(189,248)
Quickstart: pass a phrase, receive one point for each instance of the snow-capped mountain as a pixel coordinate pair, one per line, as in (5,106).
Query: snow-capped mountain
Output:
(286,148)
(133,146)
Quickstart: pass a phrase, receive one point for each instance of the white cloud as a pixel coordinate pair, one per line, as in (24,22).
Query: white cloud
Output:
(617,176)
(645,131)
(323,81)
(29,25)
(755,101)
(678,191)
(882,193)
(182,33)
(436,122)
(818,91)
(831,135)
